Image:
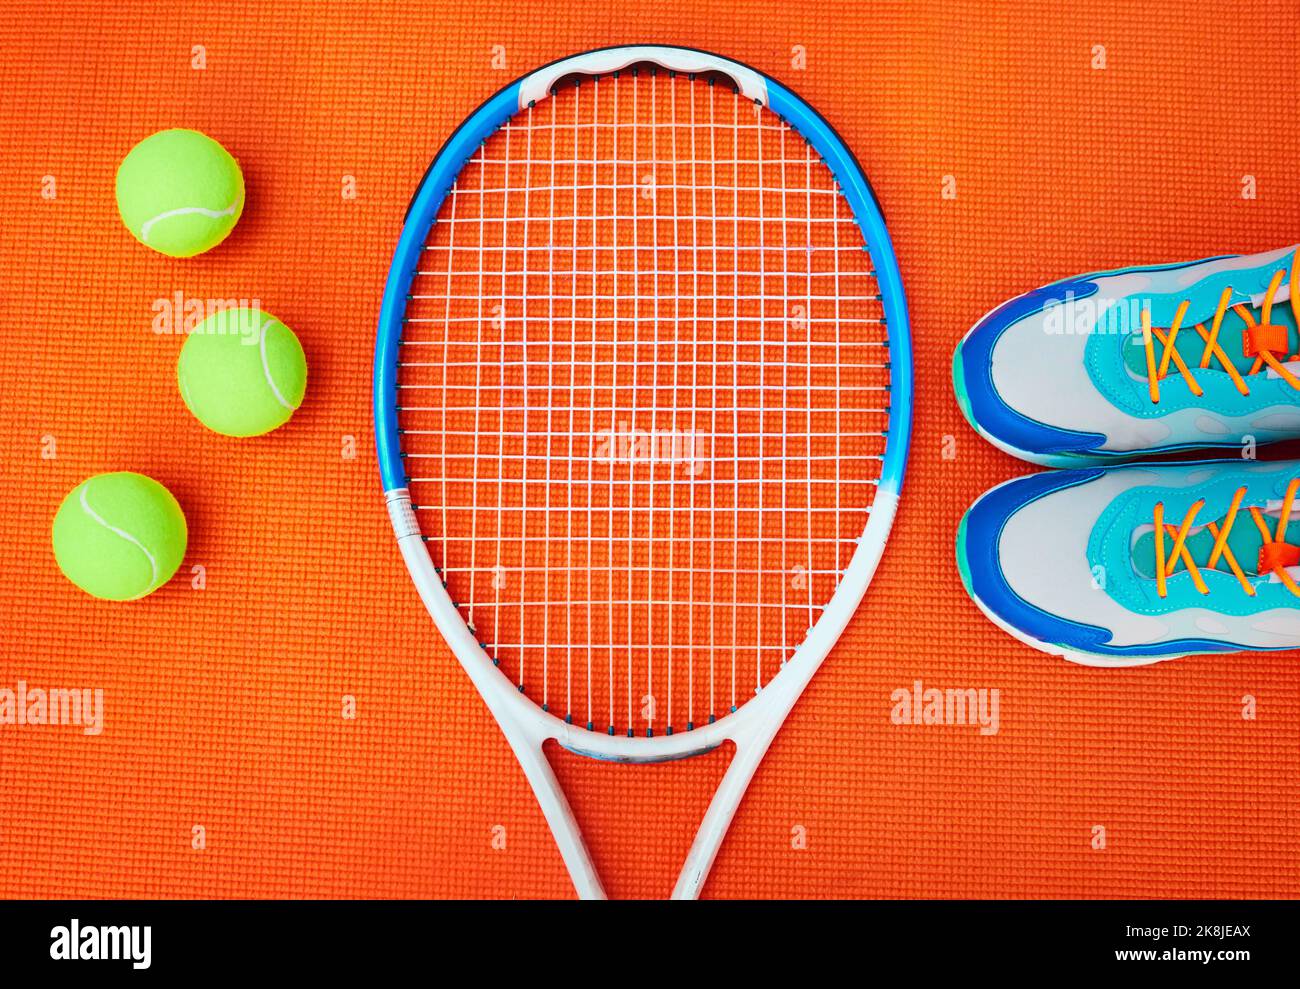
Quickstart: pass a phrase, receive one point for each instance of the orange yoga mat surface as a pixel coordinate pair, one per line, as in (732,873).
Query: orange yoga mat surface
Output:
(283,720)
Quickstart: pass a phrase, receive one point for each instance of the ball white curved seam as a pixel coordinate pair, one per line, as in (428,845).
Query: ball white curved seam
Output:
(266,369)
(212,214)
(153,564)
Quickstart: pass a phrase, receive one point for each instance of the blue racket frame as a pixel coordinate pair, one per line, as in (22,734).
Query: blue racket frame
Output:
(753,726)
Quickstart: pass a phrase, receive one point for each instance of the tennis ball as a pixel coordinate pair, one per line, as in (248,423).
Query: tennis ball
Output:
(242,372)
(119,536)
(179,192)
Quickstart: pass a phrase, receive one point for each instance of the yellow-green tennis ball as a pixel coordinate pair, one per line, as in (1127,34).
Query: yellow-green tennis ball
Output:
(242,372)
(179,192)
(119,536)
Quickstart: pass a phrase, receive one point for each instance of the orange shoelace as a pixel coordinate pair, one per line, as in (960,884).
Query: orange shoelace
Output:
(1274,556)
(1261,340)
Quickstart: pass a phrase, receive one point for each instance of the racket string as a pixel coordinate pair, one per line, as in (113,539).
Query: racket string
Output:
(656,352)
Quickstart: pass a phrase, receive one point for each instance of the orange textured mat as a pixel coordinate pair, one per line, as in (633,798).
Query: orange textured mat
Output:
(1009,144)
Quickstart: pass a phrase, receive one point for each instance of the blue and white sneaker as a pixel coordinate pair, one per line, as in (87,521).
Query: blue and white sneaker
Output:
(1138,564)
(1105,367)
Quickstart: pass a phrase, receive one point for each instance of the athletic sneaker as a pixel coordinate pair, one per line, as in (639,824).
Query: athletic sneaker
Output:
(1133,565)
(1106,367)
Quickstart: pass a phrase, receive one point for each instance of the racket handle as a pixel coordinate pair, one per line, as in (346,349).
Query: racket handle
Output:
(560,819)
(704,849)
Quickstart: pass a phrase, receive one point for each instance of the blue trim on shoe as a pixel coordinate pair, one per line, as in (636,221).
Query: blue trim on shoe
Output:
(979,399)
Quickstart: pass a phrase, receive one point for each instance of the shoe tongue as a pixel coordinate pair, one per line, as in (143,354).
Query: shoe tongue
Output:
(1244,541)
(1191,347)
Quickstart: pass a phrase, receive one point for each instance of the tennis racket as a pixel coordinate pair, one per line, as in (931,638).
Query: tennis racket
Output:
(642,401)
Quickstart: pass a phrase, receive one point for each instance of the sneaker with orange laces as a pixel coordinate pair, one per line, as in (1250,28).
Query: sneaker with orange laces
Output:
(1110,366)
(1137,564)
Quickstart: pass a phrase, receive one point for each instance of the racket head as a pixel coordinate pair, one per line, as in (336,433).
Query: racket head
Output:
(458,403)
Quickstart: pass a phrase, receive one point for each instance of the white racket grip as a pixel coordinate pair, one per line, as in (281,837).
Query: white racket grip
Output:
(536,87)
